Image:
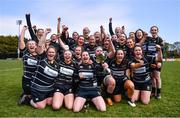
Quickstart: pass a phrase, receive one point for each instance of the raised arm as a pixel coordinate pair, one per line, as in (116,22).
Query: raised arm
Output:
(110,27)
(59,25)
(61,43)
(41,44)
(31,32)
(22,44)
(111,49)
(102,34)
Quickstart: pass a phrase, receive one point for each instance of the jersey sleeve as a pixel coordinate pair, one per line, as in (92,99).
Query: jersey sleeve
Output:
(31,32)
(111,29)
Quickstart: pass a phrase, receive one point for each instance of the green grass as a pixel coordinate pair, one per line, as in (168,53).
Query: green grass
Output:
(168,106)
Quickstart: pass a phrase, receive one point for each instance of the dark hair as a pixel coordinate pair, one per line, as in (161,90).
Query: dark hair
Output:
(83,52)
(137,45)
(54,49)
(136,39)
(74,33)
(31,40)
(117,51)
(155,27)
(52,35)
(40,29)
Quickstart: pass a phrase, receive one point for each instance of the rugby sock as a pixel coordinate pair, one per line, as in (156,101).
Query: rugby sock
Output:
(108,95)
(153,90)
(33,104)
(158,90)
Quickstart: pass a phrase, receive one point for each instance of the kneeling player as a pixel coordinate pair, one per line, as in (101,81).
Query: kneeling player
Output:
(87,88)
(64,82)
(121,73)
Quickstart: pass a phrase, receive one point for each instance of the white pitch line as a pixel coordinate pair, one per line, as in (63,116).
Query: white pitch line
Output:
(10,69)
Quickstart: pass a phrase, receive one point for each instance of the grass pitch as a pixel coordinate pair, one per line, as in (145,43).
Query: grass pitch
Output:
(168,106)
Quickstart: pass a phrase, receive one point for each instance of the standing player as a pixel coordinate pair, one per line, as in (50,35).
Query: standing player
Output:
(152,42)
(140,67)
(30,59)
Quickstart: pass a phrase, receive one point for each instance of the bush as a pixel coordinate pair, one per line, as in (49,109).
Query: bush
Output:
(8,46)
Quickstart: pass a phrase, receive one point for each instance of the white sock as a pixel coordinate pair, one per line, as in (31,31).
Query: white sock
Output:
(33,104)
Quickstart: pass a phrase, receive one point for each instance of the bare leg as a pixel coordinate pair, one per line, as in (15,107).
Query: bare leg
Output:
(110,83)
(129,86)
(135,96)
(69,100)
(38,105)
(145,97)
(57,100)
(78,104)
(117,98)
(99,103)
(49,101)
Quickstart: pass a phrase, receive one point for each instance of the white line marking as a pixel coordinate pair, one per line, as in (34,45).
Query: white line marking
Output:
(10,69)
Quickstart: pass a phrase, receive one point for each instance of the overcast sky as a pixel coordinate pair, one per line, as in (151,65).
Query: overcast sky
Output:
(76,14)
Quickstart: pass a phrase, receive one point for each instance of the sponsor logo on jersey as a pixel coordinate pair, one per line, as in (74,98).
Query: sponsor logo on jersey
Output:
(50,72)
(92,55)
(31,62)
(140,70)
(118,73)
(66,71)
(86,74)
(152,48)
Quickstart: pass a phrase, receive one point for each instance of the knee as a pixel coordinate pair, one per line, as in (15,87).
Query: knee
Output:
(55,107)
(102,109)
(41,106)
(111,82)
(145,102)
(129,84)
(49,102)
(69,107)
(117,98)
(75,109)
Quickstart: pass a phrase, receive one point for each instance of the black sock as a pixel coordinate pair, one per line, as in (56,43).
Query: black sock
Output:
(108,95)
(158,90)
(153,90)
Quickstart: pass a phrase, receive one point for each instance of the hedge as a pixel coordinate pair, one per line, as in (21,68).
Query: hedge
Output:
(8,47)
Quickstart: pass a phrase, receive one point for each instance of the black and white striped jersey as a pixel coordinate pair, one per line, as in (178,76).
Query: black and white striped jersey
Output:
(141,74)
(118,71)
(90,49)
(29,64)
(122,47)
(87,76)
(151,46)
(67,73)
(44,77)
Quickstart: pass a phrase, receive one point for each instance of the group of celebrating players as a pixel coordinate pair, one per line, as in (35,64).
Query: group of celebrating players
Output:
(98,68)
